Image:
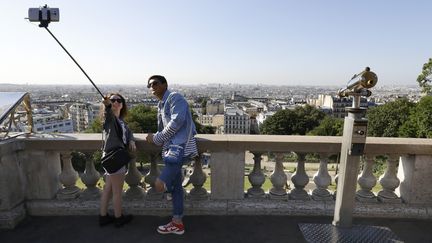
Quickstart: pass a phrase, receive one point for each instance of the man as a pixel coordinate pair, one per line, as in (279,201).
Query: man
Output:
(176,131)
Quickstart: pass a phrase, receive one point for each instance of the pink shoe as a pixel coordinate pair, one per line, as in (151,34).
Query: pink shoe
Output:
(171,228)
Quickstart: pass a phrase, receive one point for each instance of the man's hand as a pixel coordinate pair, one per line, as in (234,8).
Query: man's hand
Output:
(149,138)
(132,146)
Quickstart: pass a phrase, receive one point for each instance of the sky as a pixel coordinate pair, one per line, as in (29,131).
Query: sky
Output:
(273,42)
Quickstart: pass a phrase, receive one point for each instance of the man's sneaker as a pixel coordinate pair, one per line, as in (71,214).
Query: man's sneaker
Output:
(105,220)
(122,220)
(171,228)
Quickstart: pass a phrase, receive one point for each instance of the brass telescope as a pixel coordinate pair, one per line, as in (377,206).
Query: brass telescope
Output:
(360,83)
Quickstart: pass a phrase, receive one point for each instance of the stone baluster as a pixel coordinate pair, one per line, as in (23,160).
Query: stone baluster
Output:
(278,179)
(300,179)
(133,179)
(322,180)
(367,181)
(389,181)
(150,179)
(198,178)
(90,178)
(256,178)
(68,178)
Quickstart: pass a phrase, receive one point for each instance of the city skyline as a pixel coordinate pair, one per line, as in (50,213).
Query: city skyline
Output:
(195,42)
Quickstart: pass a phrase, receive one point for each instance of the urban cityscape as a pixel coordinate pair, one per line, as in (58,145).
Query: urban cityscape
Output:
(229,108)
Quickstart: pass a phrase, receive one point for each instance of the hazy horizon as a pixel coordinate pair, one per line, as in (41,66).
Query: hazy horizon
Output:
(208,84)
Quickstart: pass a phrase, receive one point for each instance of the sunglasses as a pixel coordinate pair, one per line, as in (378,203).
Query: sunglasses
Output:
(154,83)
(116,99)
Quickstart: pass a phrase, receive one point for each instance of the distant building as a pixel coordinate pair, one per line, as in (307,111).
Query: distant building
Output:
(83,114)
(247,107)
(239,98)
(338,105)
(215,106)
(211,120)
(150,102)
(236,121)
(205,120)
(45,121)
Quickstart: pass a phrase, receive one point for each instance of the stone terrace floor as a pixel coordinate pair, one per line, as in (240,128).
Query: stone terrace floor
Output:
(203,229)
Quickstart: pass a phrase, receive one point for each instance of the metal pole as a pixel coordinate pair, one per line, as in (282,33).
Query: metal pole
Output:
(353,142)
(75,62)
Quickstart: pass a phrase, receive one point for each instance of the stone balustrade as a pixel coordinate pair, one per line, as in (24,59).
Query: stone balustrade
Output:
(37,178)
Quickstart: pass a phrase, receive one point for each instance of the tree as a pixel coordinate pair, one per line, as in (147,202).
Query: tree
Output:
(419,124)
(385,120)
(142,119)
(204,105)
(95,127)
(329,126)
(289,122)
(425,77)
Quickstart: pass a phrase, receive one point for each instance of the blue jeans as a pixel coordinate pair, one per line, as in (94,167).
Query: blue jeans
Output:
(172,177)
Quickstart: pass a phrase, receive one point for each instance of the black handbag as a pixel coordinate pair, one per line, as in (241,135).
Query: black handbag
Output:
(115,159)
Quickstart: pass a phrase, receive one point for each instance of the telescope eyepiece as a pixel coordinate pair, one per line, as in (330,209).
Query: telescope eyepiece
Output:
(360,83)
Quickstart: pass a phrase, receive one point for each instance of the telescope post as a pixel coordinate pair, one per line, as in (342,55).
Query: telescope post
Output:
(353,142)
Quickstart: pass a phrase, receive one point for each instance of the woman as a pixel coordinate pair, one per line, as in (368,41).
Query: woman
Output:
(115,110)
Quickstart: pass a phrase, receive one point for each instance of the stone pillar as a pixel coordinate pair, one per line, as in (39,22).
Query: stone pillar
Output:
(41,170)
(389,181)
(227,173)
(415,175)
(90,178)
(198,178)
(68,178)
(150,179)
(366,181)
(300,179)
(278,179)
(256,178)
(322,180)
(133,179)
(12,185)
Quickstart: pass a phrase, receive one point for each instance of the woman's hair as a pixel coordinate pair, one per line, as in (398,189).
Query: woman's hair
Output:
(123,111)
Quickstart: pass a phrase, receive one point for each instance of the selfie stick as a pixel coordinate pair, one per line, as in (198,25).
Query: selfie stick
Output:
(75,62)
(45,15)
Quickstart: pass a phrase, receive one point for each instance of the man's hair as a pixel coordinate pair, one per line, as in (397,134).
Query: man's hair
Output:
(159,78)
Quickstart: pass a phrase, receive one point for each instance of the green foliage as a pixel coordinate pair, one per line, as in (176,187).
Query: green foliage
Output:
(79,160)
(329,126)
(419,123)
(379,166)
(96,159)
(425,77)
(204,105)
(95,127)
(293,122)
(385,120)
(142,119)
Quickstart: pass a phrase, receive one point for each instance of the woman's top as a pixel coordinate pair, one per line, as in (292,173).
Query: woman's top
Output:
(116,133)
